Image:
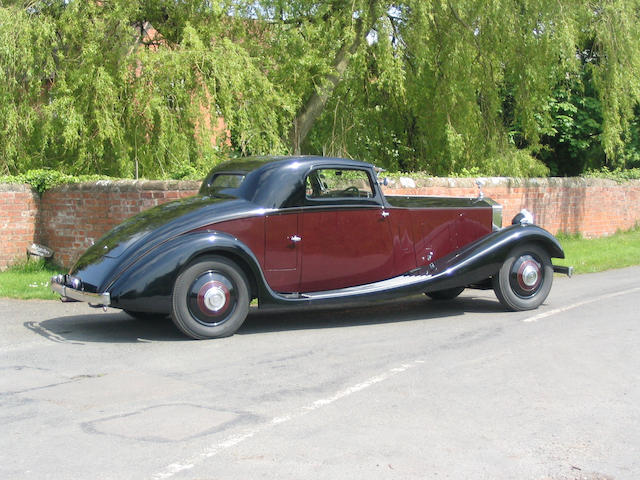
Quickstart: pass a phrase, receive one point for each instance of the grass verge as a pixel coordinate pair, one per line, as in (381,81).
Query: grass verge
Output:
(588,255)
(28,280)
(31,280)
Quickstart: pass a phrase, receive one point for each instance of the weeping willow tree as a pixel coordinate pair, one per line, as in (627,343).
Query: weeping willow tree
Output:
(453,86)
(98,87)
(434,85)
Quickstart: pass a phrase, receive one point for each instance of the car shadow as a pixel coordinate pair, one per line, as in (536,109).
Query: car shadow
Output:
(118,327)
(419,308)
(106,327)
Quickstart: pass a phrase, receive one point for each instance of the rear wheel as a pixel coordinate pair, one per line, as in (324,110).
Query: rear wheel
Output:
(447,294)
(525,278)
(210,298)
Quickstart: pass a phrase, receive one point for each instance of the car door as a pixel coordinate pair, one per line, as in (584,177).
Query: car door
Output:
(346,236)
(282,252)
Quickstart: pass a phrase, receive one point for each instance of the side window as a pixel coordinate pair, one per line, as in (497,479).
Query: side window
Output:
(338,183)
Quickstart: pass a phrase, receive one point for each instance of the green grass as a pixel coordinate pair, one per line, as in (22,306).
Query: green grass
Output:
(599,254)
(28,280)
(31,280)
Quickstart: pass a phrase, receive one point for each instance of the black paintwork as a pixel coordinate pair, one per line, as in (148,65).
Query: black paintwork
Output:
(277,182)
(142,233)
(138,261)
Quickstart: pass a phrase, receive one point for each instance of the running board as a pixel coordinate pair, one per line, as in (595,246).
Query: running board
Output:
(406,280)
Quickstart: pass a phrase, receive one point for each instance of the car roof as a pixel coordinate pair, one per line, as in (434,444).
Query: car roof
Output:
(274,181)
(249,164)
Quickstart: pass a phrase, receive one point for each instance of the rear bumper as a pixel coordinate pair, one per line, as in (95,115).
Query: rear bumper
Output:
(71,294)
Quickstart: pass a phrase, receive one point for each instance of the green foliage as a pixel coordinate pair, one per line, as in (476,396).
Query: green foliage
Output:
(451,87)
(573,141)
(88,87)
(32,266)
(135,87)
(42,180)
(28,280)
(619,175)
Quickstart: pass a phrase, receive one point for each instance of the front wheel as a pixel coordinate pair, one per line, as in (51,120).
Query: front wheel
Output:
(210,298)
(525,278)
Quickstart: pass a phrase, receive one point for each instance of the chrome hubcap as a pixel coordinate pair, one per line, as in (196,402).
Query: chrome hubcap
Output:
(530,275)
(212,298)
(215,298)
(526,276)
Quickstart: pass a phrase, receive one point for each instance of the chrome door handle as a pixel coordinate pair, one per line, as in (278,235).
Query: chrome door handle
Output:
(384,214)
(295,238)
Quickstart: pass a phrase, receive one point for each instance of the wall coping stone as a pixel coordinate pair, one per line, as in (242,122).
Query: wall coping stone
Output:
(420,182)
(16,187)
(118,186)
(509,182)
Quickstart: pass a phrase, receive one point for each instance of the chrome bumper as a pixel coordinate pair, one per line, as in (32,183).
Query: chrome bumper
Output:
(70,293)
(568,271)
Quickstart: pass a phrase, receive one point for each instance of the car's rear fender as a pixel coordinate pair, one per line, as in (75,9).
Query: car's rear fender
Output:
(147,285)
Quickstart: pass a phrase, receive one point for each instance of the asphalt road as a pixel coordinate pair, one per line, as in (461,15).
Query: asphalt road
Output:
(406,390)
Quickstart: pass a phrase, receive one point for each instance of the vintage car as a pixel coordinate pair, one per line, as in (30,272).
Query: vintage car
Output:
(304,231)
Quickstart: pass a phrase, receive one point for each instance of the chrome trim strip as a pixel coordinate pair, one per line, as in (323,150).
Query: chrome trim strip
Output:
(103,299)
(381,286)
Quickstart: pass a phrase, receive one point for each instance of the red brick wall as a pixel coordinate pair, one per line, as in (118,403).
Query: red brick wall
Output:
(72,216)
(592,207)
(68,218)
(18,219)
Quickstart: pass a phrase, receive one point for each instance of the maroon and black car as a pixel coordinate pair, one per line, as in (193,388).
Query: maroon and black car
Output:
(306,231)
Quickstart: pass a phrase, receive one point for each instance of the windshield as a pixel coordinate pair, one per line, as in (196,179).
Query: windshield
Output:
(223,184)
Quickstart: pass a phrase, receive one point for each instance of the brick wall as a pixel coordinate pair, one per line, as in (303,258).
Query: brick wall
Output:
(590,206)
(74,215)
(18,220)
(68,218)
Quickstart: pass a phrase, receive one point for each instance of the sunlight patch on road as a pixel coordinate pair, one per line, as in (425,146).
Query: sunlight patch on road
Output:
(555,311)
(233,440)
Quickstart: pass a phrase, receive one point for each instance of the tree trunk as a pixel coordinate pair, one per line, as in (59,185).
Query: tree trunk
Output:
(314,106)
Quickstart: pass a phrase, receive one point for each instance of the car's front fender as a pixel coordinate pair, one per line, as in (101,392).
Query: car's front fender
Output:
(147,284)
(482,259)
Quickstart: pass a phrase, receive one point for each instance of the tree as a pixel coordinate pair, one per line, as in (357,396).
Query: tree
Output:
(86,90)
(497,86)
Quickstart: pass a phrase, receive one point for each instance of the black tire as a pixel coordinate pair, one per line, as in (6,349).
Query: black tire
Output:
(210,298)
(146,316)
(447,294)
(525,278)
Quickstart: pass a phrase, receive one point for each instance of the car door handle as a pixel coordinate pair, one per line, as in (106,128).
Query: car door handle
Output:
(295,238)
(384,214)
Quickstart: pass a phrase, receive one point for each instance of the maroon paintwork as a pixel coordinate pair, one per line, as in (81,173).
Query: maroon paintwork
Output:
(343,247)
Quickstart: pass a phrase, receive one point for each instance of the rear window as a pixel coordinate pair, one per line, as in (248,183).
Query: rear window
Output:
(222,184)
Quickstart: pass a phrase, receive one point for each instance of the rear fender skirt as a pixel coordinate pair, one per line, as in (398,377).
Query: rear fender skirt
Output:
(147,285)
